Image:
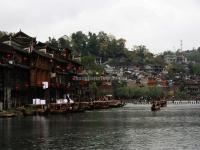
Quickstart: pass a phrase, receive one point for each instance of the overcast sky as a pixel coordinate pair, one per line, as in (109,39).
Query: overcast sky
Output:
(158,24)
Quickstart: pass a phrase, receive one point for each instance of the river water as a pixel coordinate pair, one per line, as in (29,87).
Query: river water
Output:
(133,127)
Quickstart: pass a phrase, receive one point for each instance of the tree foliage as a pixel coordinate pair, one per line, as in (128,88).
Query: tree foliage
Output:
(194,56)
(105,46)
(176,68)
(90,64)
(141,55)
(195,69)
(138,92)
(2,33)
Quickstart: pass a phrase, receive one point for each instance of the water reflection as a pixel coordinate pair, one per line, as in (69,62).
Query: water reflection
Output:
(131,127)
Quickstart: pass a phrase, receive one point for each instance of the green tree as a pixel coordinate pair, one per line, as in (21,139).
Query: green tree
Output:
(196,69)
(176,69)
(158,60)
(137,92)
(181,94)
(2,33)
(141,55)
(194,56)
(88,60)
(91,66)
(53,42)
(79,42)
(103,45)
(93,89)
(93,44)
(64,42)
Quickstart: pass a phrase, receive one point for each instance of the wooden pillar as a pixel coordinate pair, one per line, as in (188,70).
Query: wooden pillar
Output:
(7,89)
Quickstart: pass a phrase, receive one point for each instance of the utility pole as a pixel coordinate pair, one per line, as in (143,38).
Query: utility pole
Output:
(181,44)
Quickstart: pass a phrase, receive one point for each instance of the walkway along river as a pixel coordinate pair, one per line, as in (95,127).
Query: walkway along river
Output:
(127,128)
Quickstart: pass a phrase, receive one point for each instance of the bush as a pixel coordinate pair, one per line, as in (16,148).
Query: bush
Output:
(127,92)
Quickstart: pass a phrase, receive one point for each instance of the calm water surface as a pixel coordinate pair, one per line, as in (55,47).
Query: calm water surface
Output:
(128,128)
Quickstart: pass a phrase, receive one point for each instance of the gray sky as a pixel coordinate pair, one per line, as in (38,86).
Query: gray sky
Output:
(158,24)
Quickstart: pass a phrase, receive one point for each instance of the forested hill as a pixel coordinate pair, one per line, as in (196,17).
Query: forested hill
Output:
(105,47)
(99,45)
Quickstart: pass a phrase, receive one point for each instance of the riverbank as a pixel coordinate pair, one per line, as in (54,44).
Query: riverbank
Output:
(63,108)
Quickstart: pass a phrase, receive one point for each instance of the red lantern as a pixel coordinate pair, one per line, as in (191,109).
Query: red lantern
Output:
(26,85)
(69,66)
(74,78)
(17,87)
(58,85)
(79,69)
(8,55)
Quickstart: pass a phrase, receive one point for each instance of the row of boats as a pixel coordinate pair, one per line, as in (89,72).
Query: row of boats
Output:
(156,105)
(64,108)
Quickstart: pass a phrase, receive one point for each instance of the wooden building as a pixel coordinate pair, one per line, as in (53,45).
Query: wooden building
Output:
(6,71)
(63,70)
(31,69)
(40,74)
(21,78)
(16,91)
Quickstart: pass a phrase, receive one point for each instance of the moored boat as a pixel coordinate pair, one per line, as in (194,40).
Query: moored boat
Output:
(163,103)
(101,104)
(155,106)
(116,103)
(7,115)
(59,108)
(76,108)
(32,110)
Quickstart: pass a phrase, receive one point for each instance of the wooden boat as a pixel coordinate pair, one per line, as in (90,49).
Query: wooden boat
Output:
(101,104)
(41,110)
(32,110)
(76,108)
(7,115)
(27,112)
(65,108)
(116,103)
(163,103)
(155,106)
(86,105)
(59,108)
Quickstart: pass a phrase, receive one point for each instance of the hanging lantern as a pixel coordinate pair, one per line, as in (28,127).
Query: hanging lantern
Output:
(8,55)
(17,87)
(51,85)
(69,66)
(57,85)
(26,85)
(74,78)
(79,69)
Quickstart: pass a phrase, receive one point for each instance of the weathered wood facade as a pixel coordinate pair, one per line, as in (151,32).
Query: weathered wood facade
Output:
(6,69)
(14,76)
(40,72)
(26,65)
(21,78)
